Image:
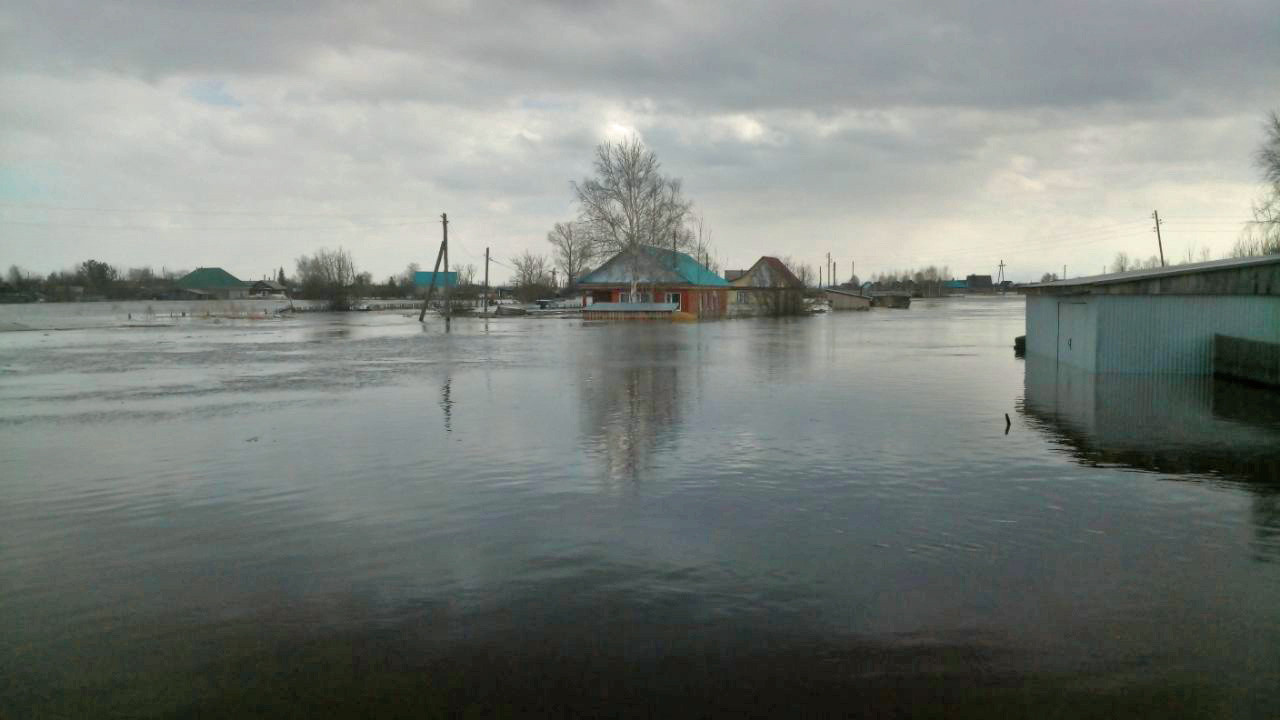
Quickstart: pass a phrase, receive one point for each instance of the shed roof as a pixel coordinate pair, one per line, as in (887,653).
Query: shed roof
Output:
(1134,276)
(207,278)
(654,266)
(850,293)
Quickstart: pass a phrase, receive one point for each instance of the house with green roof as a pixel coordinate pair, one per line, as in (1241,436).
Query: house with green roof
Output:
(213,282)
(654,275)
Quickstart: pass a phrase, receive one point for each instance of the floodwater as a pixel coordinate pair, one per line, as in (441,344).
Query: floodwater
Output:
(358,516)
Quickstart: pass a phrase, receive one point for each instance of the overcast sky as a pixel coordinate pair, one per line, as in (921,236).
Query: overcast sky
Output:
(894,134)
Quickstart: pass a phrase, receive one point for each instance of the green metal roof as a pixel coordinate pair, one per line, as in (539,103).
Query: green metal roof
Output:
(208,279)
(659,266)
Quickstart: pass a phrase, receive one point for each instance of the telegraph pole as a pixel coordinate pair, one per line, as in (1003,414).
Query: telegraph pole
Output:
(1000,280)
(486,279)
(448,306)
(435,271)
(1155,215)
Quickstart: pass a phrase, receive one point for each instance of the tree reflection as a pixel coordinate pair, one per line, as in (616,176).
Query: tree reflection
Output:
(632,398)
(1174,425)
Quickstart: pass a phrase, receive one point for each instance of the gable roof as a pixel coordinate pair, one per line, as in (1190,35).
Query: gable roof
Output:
(769,272)
(654,266)
(208,278)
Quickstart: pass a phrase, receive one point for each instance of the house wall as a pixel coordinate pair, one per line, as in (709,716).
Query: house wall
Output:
(840,301)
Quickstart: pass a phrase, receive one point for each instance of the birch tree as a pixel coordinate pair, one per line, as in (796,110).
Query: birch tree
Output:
(629,203)
(575,249)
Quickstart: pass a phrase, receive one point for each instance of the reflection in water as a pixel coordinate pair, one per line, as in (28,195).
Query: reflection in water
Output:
(446,402)
(1174,425)
(631,397)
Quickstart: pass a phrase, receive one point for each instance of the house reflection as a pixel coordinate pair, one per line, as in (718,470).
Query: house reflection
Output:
(1171,424)
(633,390)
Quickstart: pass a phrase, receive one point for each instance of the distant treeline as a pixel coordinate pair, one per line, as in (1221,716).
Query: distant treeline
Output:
(90,280)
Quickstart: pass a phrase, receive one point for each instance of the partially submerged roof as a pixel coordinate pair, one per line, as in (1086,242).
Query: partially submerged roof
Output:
(1233,276)
(210,278)
(768,272)
(653,266)
(850,293)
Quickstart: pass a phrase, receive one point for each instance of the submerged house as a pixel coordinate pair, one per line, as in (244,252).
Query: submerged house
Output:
(211,282)
(662,277)
(1161,320)
(767,288)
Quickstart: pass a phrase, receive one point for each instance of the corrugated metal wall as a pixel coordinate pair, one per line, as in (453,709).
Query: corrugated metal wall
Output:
(1174,333)
(1042,325)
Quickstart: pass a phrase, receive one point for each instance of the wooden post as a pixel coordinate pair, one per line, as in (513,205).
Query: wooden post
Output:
(486,279)
(448,306)
(432,287)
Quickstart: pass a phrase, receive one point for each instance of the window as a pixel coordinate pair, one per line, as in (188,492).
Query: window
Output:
(744,297)
(673,297)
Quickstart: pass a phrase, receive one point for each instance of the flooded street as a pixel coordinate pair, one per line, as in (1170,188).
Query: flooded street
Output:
(354,515)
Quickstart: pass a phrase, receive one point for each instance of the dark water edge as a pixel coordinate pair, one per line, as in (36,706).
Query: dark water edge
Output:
(356,517)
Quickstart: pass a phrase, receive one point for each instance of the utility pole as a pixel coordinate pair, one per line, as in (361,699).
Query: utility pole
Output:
(448,305)
(1064,272)
(1000,279)
(819,278)
(435,272)
(1155,215)
(830,279)
(486,279)
(554,284)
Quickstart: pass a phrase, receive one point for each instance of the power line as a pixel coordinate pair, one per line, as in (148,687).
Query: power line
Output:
(220,228)
(188,211)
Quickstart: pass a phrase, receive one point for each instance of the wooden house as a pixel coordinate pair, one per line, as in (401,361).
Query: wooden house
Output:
(658,276)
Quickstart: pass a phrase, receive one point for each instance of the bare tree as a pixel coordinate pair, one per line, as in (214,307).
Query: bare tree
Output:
(530,269)
(466,275)
(328,275)
(1121,263)
(532,277)
(1262,235)
(803,271)
(630,203)
(575,249)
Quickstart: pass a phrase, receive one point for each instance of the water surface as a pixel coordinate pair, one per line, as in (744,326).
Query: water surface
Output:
(356,515)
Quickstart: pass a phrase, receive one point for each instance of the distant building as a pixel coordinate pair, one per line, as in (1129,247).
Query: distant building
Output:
(847,299)
(767,288)
(212,282)
(266,288)
(424,279)
(979,284)
(1161,320)
(662,276)
(955,287)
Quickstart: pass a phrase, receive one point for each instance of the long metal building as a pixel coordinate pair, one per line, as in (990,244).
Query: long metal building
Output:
(1161,320)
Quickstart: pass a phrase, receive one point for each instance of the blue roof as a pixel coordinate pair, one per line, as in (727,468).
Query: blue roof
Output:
(425,278)
(956,284)
(660,266)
